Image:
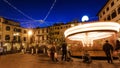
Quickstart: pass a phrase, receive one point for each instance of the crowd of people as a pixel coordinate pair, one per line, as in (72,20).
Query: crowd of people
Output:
(53,53)
(108,49)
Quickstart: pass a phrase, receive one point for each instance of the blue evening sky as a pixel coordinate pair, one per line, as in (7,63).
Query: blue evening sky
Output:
(33,13)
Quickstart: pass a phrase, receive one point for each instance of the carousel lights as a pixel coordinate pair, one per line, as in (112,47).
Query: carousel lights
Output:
(98,26)
(87,33)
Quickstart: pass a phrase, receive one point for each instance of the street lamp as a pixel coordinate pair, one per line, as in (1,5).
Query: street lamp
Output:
(85,18)
(30,33)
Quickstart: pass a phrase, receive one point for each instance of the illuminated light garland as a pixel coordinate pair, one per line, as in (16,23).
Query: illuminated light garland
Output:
(29,23)
(89,32)
(49,10)
(18,10)
(40,21)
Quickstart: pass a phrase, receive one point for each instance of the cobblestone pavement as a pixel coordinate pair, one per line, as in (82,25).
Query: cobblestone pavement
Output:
(42,61)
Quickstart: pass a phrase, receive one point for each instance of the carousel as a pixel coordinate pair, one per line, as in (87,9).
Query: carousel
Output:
(88,33)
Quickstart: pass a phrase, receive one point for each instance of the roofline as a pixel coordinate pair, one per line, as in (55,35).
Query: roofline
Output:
(102,7)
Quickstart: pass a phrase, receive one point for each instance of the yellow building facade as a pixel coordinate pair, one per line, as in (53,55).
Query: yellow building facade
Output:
(110,11)
(13,36)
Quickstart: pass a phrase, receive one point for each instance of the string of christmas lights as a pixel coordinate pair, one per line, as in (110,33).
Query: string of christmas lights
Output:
(31,19)
(18,10)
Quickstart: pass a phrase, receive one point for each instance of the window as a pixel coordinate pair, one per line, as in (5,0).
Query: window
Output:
(7,37)
(14,38)
(0,37)
(118,10)
(107,8)
(108,17)
(6,22)
(25,31)
(8,28)
(114,14)
(42,30)
(105,19)
(103,12)
(18,39)
(18,30)
(112,3)
(15,29)
(42,37)
(24,38)
(0,28)
(47,30)
(38,31)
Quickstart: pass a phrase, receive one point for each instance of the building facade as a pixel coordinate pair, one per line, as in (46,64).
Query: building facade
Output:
(13,36)
(110,11)
(56,32)
(10,34)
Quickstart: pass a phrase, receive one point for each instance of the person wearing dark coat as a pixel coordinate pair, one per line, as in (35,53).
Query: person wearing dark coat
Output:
(108,49)
(117,45)
(64,51)
(117,48)
(52,53)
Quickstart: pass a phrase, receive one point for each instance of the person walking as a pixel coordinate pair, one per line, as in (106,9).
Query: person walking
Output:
(108,49)
(64,52)
(32,50)
(52,52)
(117,48)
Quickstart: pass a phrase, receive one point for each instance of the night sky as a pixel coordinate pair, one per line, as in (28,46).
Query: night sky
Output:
(42,13)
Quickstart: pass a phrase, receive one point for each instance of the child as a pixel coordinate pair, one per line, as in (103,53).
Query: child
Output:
(86,57)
